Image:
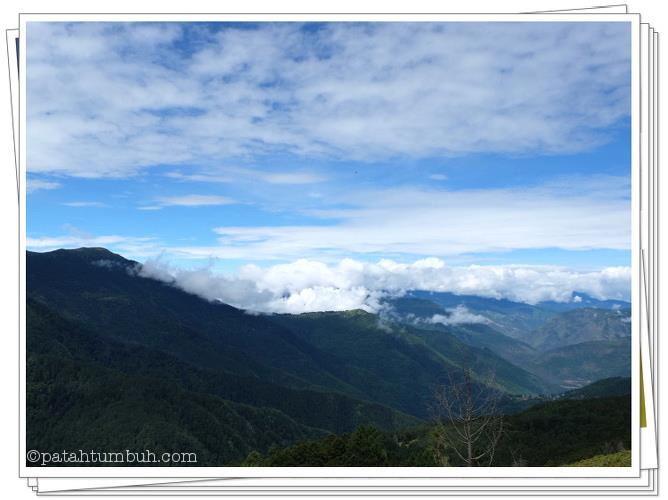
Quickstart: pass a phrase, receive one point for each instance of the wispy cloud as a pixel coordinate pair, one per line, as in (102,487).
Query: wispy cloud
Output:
(85,204)
(190,200)
(581,215)
(33,185)
(292,178)
(108,100)
(230,175)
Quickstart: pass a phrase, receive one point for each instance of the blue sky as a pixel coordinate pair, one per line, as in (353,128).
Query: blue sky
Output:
(229,145)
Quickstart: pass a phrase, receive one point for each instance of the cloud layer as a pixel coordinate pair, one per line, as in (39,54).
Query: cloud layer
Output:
(108,99)
(306,285)
(580,214)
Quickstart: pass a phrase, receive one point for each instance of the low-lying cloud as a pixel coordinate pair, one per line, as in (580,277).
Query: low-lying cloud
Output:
(459,315)
(307,285)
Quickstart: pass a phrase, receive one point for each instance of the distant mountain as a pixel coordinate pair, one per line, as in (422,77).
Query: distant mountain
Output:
(581,300)
(547,334)
(576,365)
(514,319)
(581,325)
(418,308)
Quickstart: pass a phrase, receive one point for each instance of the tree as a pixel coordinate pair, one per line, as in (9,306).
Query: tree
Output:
(468,422)
(365,448)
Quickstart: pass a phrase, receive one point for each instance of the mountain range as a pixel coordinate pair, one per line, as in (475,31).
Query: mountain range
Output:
(138,361)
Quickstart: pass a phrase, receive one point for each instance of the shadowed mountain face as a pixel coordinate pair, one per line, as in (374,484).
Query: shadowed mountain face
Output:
(99,335)
(53,337)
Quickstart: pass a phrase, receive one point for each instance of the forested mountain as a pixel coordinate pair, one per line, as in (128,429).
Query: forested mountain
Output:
(349,352)
(55,338)
(138,362)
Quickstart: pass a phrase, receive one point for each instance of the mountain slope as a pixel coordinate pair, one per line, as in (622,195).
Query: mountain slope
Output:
(607,387)
(484,361)
(576,365)
(103,292)
(51,335)
(74,405)
(401,363)
(113,301)
(581,325)
(484,336)
(421,312)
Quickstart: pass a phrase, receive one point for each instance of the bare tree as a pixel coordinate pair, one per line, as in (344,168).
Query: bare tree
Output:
(468,421)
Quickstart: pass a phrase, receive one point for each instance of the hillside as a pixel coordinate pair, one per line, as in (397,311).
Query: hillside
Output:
(608,387)
(581,325)
(58,339)
(550,434)
(403,365)
(576,365)
(342,353)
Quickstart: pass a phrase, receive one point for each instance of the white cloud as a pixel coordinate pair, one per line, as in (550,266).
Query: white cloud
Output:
(85,204)
(229,175)
(459,315)
(306,285)
(580,215)
(190,200)
(292,178)
(108,100)
(136,246)
(37,185)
